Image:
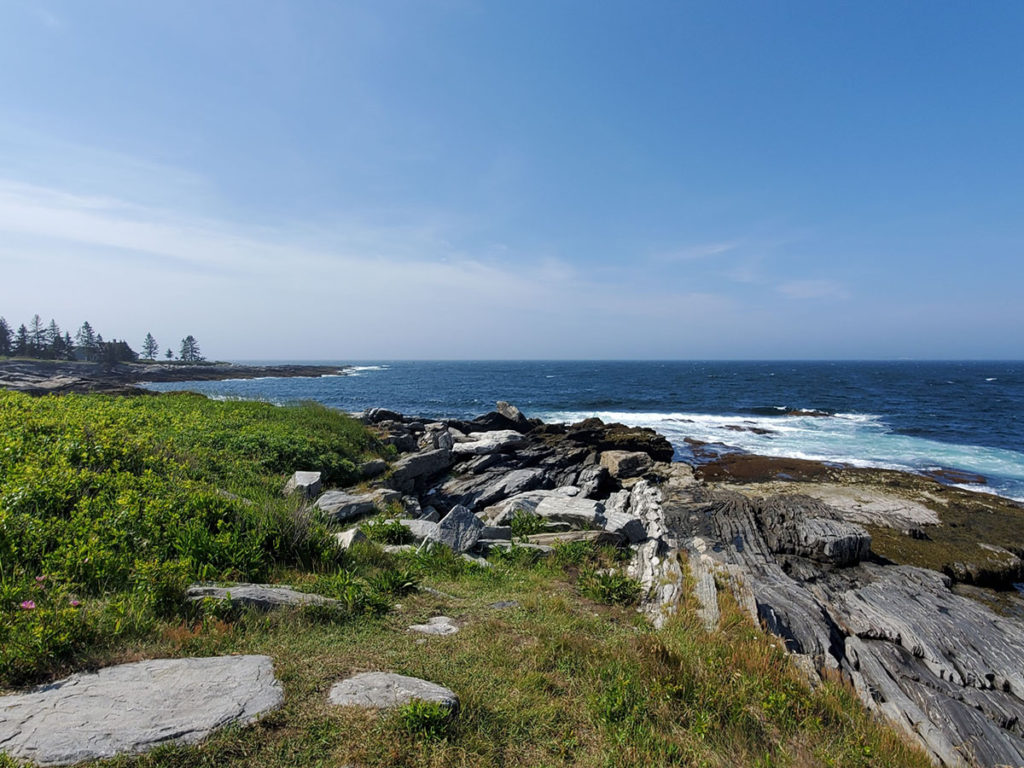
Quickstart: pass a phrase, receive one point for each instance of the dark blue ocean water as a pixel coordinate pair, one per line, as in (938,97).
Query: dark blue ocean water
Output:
(908,415)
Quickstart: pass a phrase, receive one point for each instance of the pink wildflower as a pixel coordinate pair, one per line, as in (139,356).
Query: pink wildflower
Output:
(40,579)
(28,605)
(75,603)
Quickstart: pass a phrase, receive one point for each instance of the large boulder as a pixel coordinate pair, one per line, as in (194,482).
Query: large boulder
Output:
(306,483)
(339,506)
(514,415)
(350,537)
(410,469)
(480,443)
(626,464)
(421,530)
(136,707)
(385,690)
(459,530)
(507,484)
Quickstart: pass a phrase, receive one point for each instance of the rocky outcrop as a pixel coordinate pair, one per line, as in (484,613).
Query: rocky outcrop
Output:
(942,666)
(44,377)
(136,707)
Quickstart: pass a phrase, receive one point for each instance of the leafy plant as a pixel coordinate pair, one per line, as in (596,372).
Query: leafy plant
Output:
(609,586)
(425,718)
(526,524)
(387,531)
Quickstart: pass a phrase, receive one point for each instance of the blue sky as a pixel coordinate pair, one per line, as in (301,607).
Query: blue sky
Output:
(550,179)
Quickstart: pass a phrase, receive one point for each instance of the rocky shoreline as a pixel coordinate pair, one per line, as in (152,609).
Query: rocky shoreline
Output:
(800,556)
(43,377)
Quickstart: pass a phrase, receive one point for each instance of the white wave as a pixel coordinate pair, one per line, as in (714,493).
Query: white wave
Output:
(368,368)
(857,439)
(993,378)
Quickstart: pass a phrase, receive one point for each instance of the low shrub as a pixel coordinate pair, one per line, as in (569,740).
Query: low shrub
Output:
(611,587)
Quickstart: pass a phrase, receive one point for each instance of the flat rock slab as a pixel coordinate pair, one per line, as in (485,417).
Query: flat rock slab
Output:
(438,625)
(262,596)
(136,707)
(384,690)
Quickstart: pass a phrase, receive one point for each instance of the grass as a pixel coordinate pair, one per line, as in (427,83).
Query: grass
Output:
(559,680)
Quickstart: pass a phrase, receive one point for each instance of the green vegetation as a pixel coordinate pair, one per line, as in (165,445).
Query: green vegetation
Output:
(109,507)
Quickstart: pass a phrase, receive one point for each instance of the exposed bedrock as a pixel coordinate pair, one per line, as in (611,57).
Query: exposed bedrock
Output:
(943,667)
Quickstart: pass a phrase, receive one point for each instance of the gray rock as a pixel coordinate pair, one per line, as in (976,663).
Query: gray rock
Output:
(431,514)
(339,506)
(480,443)
(513,414)
(624,464)
(591,479)
(136,707)
(373,468)
(306,483)
(625,525)
(459,529)
(261,596)
(437,625)
(384,690)
(347,538)
(377,415)
(421,530)
(504,605)
(408,470)
(584,513)
(507,484)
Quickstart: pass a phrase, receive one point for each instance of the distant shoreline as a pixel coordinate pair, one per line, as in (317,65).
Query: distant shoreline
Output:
(40,377)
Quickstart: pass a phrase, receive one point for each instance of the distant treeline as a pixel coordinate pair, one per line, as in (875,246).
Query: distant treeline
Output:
(49,342)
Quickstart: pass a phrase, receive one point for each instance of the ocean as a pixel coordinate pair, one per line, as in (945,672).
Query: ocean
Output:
(909,415)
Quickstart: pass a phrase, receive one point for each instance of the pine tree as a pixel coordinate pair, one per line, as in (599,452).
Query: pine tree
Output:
(86,339)
(5,338)
(69,347)
(36,336)
(169,354)
(190,350)
(54,341)
(149,347)
(21,343)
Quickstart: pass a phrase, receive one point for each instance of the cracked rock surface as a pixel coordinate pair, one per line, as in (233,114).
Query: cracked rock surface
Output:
(135,707)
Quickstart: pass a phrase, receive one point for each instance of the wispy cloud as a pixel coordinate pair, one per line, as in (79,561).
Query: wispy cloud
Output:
(700,251)
(813,289)
(412,290)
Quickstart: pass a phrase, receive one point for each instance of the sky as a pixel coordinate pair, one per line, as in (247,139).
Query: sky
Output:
(537,179)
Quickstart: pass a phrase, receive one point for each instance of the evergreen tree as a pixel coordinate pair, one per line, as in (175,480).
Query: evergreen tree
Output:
(149,347)
(54,341)
(6,338)
(36,336)
(21,343)
(169,354)
(115,351)
(69,347)
(190,350)
(86,339)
